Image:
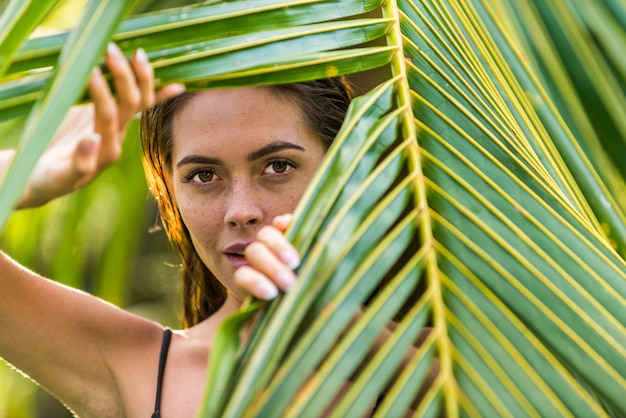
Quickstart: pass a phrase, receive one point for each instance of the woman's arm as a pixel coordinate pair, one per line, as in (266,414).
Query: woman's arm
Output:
(70,342)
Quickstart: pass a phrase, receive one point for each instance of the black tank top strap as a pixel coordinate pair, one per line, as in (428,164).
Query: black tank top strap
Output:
(165,345)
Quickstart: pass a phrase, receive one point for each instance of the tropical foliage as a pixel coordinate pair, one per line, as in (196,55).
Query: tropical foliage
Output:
(478,192)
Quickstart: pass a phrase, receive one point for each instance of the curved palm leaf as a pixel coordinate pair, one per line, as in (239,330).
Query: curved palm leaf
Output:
(448,167)
(447,202)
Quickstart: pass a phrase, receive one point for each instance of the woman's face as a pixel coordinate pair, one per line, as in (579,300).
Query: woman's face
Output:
(240,157)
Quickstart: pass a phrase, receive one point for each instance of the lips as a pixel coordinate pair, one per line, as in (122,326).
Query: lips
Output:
(234,254)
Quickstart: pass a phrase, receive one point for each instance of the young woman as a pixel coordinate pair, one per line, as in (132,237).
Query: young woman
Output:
(224,166)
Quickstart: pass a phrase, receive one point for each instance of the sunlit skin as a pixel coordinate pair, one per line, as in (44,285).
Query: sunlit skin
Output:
(240,158)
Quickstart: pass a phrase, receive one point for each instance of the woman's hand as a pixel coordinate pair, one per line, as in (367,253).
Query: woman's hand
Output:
(272,261)
(90,138)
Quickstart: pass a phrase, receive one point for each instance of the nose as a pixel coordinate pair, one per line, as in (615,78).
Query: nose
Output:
(243,206)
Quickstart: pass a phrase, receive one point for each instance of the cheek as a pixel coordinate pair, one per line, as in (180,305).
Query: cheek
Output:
(199,218)
(289,199)
(288,205)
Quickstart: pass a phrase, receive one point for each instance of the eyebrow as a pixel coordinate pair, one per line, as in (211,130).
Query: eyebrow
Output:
(254,155)
(272,148)
(198,159)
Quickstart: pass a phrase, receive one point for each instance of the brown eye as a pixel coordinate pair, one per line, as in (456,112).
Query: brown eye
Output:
(280,166)
(203,177)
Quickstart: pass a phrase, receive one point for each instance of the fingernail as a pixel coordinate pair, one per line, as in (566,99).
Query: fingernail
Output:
(266,291)
(282,221)
(89,144)
(141,55)
(114,50)
(286,280)
(94,137)
(291,258)
(175,88)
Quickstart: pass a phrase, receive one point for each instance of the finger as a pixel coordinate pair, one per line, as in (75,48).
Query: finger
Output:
(277,242)
(106,118)
(255,283)
(85,158)
(145,78)
(281,222)
(265,261)
(126,88)
(169,91)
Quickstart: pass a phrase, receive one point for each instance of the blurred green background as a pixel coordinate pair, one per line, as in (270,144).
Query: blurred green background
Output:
(104,239)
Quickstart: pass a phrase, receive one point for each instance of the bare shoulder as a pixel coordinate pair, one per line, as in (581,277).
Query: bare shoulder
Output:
(183,380)
(133,361)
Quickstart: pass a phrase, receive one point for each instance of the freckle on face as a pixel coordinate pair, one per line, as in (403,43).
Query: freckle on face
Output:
(228,126)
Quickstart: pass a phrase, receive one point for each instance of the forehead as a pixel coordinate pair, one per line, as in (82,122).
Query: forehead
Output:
(236,117)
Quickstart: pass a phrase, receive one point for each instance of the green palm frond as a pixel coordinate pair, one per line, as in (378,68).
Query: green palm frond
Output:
(467,194)
(448,167)
(576,55)
(17,22)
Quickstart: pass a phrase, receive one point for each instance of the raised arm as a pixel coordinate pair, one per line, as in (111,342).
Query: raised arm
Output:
(70,342)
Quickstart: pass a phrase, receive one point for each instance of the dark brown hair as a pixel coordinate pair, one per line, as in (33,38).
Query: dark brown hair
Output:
(323,104)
